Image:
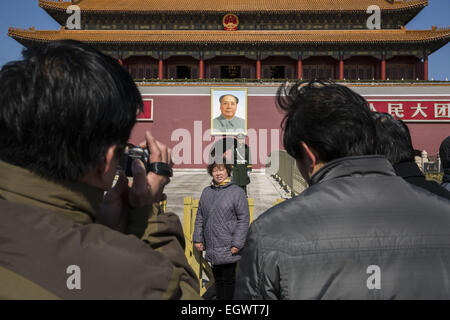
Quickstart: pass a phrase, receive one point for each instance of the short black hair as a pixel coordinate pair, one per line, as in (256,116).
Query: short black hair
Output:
(393,138)
(444,154)
(332,119)
(221,97)
(62,107)
(228,167)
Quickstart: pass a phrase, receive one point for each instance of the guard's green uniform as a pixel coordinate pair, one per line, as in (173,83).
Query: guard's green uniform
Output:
(242,163)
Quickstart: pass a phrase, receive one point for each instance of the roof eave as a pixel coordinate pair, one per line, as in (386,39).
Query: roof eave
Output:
(62,7)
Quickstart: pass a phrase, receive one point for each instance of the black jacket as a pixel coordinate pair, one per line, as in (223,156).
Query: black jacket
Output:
(356,214)
(411,173)
(446,181)
(242,164)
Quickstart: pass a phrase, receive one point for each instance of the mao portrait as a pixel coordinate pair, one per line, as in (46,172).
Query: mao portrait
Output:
(228,111)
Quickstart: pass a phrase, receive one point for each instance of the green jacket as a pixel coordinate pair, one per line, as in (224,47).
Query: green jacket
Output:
(47,226)
(242,164)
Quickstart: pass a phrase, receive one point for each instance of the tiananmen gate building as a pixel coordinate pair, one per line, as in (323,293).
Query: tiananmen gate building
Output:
(161,42)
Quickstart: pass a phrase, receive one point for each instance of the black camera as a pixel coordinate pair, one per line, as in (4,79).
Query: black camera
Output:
(132,153)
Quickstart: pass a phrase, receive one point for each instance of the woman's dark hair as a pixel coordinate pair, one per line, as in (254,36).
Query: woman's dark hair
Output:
(62,107)
(393,138)
(332,119)
(223,163)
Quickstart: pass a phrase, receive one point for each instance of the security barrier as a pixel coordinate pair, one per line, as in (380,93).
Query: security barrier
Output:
(195,258)
(278,201)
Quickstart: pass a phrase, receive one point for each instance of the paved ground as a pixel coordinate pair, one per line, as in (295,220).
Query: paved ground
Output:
(188,183)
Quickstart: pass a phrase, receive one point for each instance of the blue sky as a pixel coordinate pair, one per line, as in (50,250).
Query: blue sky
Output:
(26,13)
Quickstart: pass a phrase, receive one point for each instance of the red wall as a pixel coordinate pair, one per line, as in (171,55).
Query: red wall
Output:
(428,136)
(171,113)
(175,112)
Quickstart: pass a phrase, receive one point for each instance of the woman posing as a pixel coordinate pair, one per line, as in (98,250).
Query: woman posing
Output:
(221,227)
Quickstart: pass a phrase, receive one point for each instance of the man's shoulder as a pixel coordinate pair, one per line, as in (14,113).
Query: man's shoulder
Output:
(331,205)
(50,227)
(273,220)
(105,258)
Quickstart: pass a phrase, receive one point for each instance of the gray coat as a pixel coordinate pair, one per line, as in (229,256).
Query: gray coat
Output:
(222,225)
(355,215)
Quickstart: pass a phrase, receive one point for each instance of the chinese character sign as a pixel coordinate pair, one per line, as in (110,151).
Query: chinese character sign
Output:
(414,110)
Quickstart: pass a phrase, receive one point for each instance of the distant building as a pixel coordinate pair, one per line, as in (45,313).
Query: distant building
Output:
(258,39)
(251,38)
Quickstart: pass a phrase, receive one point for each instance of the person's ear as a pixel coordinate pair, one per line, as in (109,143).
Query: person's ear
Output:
(110,159)
(106,171)
(102,176)
(312,158)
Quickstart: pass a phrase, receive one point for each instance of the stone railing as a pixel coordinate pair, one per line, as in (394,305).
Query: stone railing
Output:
(286,172)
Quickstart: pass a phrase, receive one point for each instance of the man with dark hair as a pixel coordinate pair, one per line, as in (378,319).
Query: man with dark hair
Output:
(66,114)
(394,141)
(444,155)
(358,231)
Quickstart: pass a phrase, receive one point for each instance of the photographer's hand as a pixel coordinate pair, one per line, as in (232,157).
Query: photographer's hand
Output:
(148,189)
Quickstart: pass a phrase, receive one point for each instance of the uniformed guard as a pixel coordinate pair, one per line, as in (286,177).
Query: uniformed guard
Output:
(242,163)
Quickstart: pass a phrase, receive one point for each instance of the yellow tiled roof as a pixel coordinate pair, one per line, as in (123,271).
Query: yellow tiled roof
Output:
(203,36)
(232,5)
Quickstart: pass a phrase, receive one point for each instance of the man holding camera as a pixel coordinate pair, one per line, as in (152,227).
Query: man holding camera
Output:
(66,114)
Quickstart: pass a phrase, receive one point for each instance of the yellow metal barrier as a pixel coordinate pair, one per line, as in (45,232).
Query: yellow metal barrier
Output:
(251,203)
(278,201)
(195,258)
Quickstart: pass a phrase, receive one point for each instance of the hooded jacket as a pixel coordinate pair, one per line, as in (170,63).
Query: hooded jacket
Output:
(358,232)
(51,247)
(222,222)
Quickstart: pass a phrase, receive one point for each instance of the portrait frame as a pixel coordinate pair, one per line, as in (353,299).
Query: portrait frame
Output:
(241,111)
